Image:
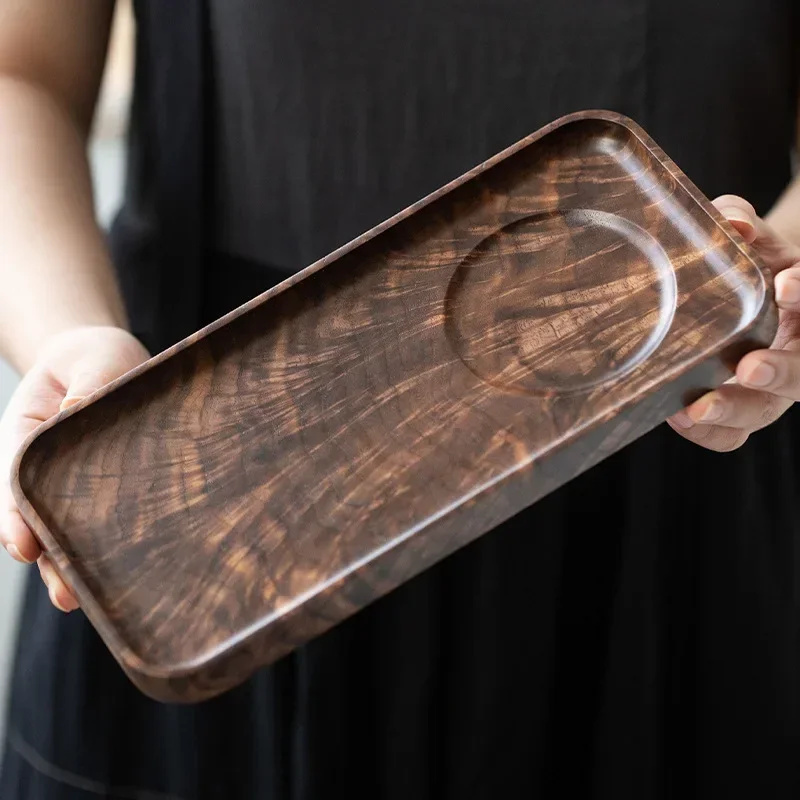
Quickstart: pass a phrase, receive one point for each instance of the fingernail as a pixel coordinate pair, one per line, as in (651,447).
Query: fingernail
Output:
(789,292)
(14,552)
(67,402)
(682,420)
(735,214)
(761,375)
(712,412)
(54,600)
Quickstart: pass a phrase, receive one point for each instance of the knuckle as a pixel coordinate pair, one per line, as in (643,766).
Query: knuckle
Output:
(786,333)
(729,441)
(702,433)
(718,439)
(772,409)
(787,375)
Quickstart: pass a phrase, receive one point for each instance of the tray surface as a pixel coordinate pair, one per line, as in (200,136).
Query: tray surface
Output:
(265,479)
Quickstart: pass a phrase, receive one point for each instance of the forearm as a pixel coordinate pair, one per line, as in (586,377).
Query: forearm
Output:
(785,215)
(55,271)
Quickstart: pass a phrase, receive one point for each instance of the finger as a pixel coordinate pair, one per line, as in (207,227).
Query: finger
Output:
(712,437)
(28,408)
(60,595)
(740,214)
(87,378)
(17,538)
(735,406)
(777,252)
(773,371)
(787,289)
(101,361)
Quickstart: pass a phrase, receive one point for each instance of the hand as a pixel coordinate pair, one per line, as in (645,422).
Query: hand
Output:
(767,382)
(73,364)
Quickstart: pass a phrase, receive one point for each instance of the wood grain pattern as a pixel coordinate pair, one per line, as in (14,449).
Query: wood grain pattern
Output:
(258,483)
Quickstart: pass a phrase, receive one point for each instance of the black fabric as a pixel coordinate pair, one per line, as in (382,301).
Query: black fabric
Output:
(634,635)
(328,120)
(363,111)
(157,239)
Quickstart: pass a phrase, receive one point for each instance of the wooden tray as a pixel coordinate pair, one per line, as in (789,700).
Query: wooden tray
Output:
(261,481)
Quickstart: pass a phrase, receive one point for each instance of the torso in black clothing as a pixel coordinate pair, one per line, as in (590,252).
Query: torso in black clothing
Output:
(330,117)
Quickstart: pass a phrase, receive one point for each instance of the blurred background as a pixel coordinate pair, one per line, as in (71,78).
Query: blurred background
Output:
(106,153)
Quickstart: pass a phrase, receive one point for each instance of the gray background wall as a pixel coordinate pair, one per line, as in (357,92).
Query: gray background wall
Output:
(10,577)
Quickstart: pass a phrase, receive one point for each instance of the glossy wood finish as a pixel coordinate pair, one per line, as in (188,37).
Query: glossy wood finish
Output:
(246,490)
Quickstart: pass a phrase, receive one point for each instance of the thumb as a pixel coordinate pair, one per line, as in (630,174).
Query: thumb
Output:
(740,214)
(98,368)
(777,252)
(85,381)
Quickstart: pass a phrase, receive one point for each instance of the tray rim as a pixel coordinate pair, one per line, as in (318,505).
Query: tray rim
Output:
(139,669)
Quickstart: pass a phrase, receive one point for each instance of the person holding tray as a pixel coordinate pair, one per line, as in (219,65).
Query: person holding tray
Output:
(634,634)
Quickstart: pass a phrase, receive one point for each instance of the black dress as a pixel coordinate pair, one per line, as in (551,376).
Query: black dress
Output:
(635,634)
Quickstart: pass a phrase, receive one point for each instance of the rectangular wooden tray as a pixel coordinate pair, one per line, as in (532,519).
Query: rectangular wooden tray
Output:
(261,481)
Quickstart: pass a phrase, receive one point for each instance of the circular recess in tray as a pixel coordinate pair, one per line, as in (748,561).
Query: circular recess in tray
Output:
(560,302)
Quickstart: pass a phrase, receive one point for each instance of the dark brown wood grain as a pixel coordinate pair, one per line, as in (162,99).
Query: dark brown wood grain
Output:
(258,483)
